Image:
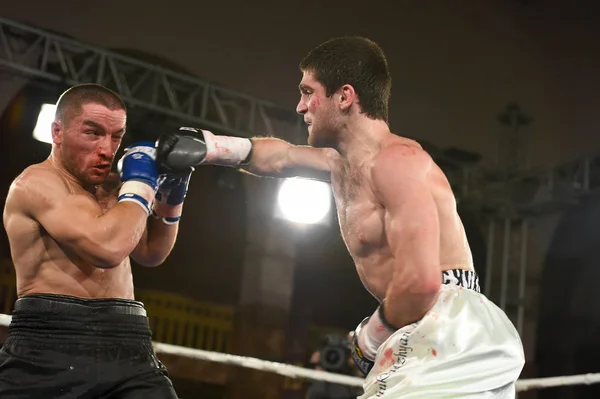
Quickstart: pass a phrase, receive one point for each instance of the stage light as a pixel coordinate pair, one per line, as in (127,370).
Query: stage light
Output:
(304,201)
(43,127)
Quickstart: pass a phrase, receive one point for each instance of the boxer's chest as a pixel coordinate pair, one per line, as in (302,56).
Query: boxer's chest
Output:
(360,215)
(106,199)
(106,193)
(107,203)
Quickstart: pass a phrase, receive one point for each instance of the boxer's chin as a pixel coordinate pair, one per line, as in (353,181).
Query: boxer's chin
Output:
(314,140)
(97,176)
(317,142)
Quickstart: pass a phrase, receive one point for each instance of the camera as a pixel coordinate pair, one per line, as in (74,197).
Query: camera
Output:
(335,354)
(334,357)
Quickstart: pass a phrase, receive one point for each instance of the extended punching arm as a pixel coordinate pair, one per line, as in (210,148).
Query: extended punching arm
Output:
(187,147)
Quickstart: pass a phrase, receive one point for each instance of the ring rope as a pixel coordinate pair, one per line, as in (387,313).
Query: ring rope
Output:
(291,371)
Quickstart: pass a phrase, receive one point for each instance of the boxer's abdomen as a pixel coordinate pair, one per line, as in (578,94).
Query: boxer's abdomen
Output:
(85,281)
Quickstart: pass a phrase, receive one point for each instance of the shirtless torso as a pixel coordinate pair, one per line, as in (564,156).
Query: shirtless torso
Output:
(362,221)
(43,265)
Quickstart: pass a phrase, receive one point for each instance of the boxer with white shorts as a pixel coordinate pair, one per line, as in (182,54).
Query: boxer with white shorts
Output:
(433,334)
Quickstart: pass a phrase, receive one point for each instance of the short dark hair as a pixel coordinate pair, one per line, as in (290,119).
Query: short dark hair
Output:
(356,61)
(70,102)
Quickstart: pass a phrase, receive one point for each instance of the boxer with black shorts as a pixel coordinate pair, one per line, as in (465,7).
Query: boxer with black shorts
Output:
(434,335)
(76,330)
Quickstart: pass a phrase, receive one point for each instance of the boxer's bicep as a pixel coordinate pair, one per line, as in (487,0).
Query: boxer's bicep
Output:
(45,199)
(75,221)
(412,228)
(412,232)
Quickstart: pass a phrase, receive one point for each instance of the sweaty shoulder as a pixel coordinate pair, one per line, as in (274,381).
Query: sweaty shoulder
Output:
(401,158)
(398,170)
(35,186)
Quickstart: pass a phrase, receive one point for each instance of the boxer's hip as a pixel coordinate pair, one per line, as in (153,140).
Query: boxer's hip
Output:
(68,347)
(68,322)
(465,345)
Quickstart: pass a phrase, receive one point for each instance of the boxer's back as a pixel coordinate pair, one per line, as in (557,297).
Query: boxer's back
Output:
(455,252)
(42,265)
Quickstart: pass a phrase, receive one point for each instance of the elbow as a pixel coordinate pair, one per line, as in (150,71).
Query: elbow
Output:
(431,284)
(110,259)
(145,257)
(150,261)
(109,255)
(101,252)
(424,288)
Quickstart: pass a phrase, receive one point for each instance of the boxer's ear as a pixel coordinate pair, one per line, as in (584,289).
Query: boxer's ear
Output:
(57,132)
(347,97)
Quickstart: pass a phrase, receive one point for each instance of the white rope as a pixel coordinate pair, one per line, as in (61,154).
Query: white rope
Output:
(549,382)
(5,320)
(291,371)
(278,368)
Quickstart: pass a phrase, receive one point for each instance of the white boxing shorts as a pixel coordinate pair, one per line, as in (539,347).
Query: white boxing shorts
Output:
(464,347)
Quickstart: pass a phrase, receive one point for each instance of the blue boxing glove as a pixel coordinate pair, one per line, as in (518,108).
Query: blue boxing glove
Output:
(171,193)
(139,173)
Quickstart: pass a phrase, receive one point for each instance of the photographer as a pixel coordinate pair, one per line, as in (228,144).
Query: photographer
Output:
(335,358)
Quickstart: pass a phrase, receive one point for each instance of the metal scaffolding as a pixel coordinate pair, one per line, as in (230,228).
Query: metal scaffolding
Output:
(513,203)
(37,53)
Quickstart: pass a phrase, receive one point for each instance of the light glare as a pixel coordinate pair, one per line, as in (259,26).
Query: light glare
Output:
(43,127)
(303,200)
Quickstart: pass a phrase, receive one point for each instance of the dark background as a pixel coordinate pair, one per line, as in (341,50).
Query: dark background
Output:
(455,66)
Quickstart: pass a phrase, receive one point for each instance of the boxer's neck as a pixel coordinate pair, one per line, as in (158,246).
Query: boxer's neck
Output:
(361,137)
(63,171)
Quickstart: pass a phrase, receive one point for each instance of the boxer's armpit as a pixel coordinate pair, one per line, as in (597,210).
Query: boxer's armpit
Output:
(273,157)
(413,234)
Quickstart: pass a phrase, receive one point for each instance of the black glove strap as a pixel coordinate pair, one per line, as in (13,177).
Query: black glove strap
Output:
(248,158)
(363,364)
(383,319)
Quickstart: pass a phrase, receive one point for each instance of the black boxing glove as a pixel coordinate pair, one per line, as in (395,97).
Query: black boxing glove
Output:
(187,147)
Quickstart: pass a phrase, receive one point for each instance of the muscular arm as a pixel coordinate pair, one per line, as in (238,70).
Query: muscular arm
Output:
(156,243)
(76,221)
(412,229)
(277,158)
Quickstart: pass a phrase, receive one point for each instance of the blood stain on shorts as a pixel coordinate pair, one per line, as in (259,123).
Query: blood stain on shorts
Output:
(387,357)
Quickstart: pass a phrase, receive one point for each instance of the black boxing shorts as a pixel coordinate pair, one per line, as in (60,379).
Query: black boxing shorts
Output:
(65,347)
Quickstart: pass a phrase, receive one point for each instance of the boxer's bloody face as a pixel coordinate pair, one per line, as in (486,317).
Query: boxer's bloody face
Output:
(89,141)
(319,112)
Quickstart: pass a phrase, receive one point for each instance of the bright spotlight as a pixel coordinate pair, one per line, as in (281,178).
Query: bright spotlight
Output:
(43,127)
(304,201)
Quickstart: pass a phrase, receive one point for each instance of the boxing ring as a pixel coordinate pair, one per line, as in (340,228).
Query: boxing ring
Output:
(291,371)
(80,61)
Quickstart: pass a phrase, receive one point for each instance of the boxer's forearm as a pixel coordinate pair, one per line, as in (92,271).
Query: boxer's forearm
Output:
(156,244)
(259,156)
(416,278)
(403,306)
(273,157)
(270,158)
